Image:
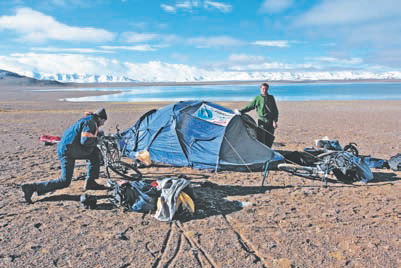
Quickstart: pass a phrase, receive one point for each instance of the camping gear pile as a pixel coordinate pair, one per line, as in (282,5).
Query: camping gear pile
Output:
(329,157)
(165,197)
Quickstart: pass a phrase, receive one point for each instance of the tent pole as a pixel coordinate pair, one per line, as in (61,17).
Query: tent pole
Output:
(266,173)
(217,164)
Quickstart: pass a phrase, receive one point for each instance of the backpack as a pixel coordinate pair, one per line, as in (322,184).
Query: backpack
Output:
(395,162)
(135,196)
(350,168)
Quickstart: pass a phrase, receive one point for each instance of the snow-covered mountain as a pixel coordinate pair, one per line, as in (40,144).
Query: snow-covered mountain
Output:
(79,78)
(14,79)
(85,69)
(159,72)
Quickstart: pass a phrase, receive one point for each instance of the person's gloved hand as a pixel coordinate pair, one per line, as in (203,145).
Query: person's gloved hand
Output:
(237,112)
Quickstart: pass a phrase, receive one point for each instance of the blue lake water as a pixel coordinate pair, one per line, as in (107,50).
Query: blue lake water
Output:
(282,92)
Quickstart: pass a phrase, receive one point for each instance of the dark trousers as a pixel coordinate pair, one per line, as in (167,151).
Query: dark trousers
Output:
(265,133)
(67,171)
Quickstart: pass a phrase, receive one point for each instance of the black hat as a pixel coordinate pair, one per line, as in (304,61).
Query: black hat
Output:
(101,113)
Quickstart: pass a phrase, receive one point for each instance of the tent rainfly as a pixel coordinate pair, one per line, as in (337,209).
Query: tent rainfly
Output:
(198,134)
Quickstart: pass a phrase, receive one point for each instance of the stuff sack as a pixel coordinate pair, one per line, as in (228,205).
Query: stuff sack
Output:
(137,196)
(50,140)
(176,193)
(395,162)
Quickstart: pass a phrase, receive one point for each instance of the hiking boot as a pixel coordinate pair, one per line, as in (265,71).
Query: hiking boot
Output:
(28,189)
(92,185)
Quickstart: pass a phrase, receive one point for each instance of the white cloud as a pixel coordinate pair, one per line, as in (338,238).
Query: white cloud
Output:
(69,50)
(275,6)
(240,58)
(46,64)
(58,2)
(179,57)
(38,27)
(144,47)
(168,8)
(271,66)
(330,12)
(67,3)
(133,37)
(338,60)
(60,63)
(187,4)
(216,41)
(190,5)
(373,25)
(225,8)
(276,43)
(75,67)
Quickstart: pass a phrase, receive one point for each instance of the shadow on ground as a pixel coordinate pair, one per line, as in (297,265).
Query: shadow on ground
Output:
(384,177)
(68,197)
(211,198)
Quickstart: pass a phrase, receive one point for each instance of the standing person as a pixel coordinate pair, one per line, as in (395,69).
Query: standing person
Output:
(266,109)
(79,141)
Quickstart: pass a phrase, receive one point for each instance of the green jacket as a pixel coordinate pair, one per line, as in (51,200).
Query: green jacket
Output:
(265,106)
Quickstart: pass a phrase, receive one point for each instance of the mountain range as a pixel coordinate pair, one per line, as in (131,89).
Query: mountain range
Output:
(197,75)
(13,79)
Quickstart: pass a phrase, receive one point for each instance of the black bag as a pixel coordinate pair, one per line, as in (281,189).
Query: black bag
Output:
(135,196)
(88,201)
(395,162)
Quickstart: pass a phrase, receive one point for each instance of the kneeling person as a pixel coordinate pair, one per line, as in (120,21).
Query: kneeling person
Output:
(79,141)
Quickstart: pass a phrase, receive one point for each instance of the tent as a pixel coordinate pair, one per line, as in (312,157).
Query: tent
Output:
(198,134)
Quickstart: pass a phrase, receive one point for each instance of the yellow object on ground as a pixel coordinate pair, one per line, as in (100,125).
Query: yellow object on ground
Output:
(144,157)
(186,202)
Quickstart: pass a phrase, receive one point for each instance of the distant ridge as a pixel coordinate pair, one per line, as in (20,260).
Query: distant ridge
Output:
(8,78)
(169,73)
(162,74)
(80,78)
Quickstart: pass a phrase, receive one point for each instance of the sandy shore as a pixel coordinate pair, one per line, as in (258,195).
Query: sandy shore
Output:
(293,222)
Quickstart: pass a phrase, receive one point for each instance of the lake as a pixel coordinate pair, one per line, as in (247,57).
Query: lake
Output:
(282,92)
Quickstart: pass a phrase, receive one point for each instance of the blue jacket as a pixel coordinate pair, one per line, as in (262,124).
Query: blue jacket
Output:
(80,139)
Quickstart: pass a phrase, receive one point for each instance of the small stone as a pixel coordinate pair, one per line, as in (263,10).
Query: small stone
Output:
(122,237)
(36,247)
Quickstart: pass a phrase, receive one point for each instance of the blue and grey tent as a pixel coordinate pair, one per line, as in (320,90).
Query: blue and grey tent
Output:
(198,134)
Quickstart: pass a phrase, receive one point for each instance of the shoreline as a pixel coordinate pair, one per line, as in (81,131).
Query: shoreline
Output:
(187,83)
(80,90)
(228,82)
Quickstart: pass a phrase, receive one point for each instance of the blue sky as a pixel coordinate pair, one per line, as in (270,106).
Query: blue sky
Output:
(122,36)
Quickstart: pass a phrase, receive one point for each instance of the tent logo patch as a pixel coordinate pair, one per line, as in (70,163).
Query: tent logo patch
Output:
(213,115)
(204,113)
